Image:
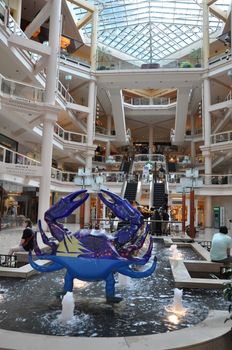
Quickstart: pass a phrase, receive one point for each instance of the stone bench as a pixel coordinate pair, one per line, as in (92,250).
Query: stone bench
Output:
(22,257)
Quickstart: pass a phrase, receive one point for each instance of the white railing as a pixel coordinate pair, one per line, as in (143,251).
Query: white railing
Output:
(20,90)
(149,158)
(64,176)
(217,179)
(136,101)
(117,158)
(12,157)
(62,90)
(69,135)
(214,179)
(225,136)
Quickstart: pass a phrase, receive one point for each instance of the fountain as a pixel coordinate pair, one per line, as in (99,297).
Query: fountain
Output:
(141,313)
(177,306)
(176,255)
(68,306)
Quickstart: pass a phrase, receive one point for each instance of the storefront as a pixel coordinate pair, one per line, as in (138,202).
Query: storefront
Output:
(16,203)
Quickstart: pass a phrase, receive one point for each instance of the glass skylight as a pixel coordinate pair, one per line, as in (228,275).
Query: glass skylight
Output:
(153,30)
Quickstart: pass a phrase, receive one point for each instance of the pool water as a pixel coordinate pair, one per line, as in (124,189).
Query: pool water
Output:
(33,306)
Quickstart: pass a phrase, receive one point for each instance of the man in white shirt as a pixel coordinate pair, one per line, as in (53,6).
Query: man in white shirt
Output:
(221,245)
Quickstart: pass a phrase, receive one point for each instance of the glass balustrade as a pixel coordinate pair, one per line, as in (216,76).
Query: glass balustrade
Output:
(12,157)
(221,137)
(21,90)
(137,64)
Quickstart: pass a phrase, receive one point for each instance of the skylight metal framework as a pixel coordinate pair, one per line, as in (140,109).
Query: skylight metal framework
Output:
(154,29)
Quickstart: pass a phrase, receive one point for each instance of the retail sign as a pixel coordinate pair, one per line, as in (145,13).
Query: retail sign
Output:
(20,169)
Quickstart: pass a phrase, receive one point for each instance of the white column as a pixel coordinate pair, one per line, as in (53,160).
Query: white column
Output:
(50,117)
(17,6)
(109,125)
(46,161)
(90,136)
(93,49)
(205,29)
(208,212)
(193,150)
(151,138)
(91,121)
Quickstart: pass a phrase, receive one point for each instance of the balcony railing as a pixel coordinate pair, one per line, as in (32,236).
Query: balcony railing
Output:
(137,101)
(20,90)
(69,135)
(9,156)
(225,136)
(149,158)
(181,63)
(214,179)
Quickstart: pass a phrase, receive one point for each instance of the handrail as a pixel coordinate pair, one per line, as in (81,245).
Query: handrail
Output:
(21,90)
(13,157)
(136,101)
(69,135)
(224,136)
(149,157)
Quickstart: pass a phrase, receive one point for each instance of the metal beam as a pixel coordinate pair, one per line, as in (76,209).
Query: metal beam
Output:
(83,4)
(86,19)
(30,45)
(218,13)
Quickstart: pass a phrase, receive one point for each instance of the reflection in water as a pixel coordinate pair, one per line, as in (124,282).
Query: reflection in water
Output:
(141,312)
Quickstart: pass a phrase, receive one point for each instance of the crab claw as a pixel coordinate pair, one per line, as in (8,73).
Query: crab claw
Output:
(121,208)
(65,206)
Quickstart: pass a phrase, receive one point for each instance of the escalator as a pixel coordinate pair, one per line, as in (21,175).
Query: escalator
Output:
(159,196)
(130,195)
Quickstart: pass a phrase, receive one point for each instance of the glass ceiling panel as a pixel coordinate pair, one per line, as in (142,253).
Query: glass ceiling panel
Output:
(150,30)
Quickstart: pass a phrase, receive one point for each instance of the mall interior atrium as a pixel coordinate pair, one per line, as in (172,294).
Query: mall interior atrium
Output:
(122,87)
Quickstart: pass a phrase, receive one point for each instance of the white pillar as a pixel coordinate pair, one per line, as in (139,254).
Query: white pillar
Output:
(46,161)
(193,150)
(90,137)
(50,117)
(17,6)
(93,49)
(208,212)
(205,29)
(109,125)
(151,138)
(91,121)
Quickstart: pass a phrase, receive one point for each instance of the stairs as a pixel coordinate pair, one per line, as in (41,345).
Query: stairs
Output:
(160,197)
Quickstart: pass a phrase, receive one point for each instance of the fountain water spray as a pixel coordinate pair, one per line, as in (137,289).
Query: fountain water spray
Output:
(177,306)
(175,253)
(68,306)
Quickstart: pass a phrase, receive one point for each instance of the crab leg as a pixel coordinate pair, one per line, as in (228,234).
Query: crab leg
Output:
(63,208)
(123,210)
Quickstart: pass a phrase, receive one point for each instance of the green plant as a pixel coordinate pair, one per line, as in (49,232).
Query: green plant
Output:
(103,57)
(186,64)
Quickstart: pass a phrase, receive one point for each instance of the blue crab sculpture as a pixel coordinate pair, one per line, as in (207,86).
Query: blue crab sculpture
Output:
(92,255)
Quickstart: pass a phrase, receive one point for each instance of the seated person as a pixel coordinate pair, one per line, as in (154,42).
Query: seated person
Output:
(27,240)
(221,245)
